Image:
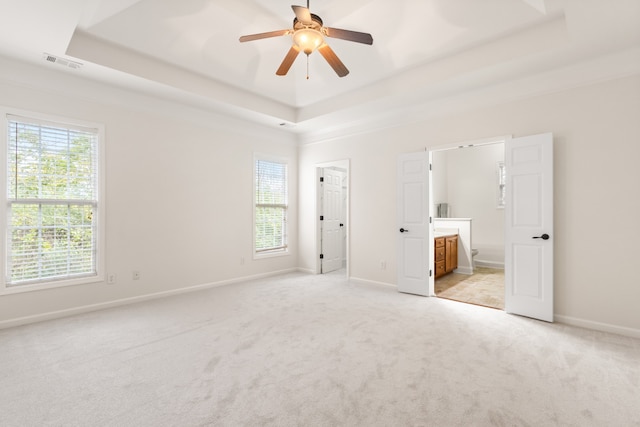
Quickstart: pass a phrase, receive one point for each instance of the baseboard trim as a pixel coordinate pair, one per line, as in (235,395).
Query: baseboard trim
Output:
(370,282)
(489,264)
(306,270)
(464,270)
(597,326)
(19,321)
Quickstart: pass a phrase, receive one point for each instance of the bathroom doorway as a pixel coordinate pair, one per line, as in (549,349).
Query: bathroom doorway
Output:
(528,224)
(468,197)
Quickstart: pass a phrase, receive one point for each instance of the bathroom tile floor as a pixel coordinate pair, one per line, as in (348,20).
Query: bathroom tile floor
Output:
(484,287)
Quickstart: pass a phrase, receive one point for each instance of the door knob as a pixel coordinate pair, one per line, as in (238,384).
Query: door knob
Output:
(402,230)
(543,237)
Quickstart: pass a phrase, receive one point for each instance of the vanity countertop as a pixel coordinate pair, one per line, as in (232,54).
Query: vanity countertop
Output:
(443,234)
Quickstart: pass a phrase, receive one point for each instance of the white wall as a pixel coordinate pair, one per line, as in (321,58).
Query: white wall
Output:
(188,174)
(596,133)
(471,180)
(178,190)
(439,178)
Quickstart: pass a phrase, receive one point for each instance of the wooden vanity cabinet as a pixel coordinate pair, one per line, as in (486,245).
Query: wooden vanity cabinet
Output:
(451,253)
(446,254)
(440,256)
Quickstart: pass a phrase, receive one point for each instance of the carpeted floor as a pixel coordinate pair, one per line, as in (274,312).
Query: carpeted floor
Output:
(484,287)
(302,350)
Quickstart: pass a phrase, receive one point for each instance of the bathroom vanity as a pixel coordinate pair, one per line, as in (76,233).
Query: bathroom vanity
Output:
(462,228)
(446,254)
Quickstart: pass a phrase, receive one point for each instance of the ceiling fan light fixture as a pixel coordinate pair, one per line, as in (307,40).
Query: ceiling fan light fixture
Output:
(308,40)
(308,35)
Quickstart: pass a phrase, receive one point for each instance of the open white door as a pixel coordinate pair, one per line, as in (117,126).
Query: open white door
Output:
(529,227)
(331,226)
(413,248)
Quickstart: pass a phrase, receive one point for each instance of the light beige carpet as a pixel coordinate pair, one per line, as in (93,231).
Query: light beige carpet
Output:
(484,287)
(303,350)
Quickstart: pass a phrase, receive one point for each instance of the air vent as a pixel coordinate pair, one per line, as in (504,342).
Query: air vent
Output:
(62,61)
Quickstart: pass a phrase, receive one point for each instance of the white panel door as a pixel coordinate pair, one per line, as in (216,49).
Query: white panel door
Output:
(331,221)
(529,227)
(413,249)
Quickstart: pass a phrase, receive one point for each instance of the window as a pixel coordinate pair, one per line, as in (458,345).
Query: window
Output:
(502,180)
(271,204)
(51,223)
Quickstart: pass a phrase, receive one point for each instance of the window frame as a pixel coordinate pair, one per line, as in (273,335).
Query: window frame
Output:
(274,252)
(100,275)
(500,184)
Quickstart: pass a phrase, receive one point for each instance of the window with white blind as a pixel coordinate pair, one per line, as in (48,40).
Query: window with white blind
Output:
(501,173)
(271,204)
(52,185)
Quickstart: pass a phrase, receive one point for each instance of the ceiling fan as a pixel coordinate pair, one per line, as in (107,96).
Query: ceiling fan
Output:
(308,35)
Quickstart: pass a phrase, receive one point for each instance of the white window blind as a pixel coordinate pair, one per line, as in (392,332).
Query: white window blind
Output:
(502,180)
(271,205)
(52,182)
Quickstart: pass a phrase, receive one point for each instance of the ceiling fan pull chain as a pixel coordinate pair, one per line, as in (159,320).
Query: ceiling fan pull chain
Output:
(307,67)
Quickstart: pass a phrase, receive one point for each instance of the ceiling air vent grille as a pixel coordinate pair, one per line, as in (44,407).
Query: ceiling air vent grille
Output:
(62,61)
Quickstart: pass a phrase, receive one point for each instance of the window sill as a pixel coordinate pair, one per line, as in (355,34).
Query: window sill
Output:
(7,290)
(272,254)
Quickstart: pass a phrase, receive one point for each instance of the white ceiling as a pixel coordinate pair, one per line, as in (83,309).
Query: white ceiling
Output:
(423,51)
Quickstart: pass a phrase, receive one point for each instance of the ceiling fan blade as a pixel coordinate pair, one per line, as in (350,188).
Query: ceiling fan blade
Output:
(333,60)
(303,14)
(259,36)
(352,36)
(288,60)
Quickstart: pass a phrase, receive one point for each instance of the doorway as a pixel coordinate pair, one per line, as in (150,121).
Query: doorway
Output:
(468,197)
(332,196)
(528,225)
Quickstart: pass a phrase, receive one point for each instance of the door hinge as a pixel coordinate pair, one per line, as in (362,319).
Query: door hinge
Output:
(321,179)
(321,217)
(430,166)
(321,256)
(430,273)
(430,220)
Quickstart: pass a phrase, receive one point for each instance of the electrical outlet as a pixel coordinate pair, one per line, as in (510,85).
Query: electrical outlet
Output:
(136,275)
(111,279)
(383,265)
(241,260)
